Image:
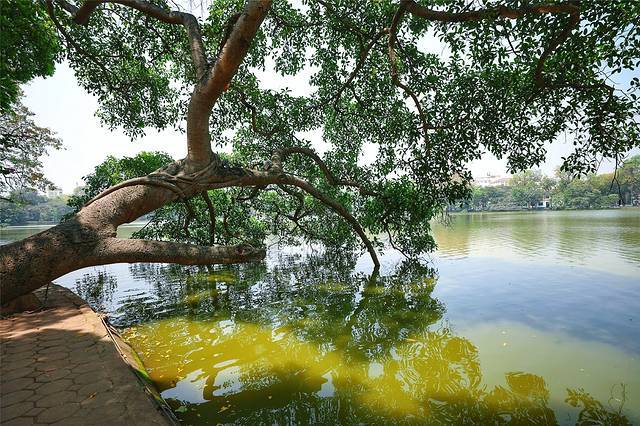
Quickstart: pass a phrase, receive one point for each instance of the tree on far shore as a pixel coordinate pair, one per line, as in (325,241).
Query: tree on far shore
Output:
(22,146)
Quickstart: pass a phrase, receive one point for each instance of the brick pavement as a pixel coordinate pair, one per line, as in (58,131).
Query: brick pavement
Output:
(60,366)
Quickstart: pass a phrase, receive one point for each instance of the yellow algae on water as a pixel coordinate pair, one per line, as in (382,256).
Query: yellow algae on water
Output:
(201,296)
(333,286)
(240,368)
(226,277)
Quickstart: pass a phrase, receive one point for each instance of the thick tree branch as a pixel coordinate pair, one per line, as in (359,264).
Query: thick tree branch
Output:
(146,180)
(116,250)
(499,12)
(218,79)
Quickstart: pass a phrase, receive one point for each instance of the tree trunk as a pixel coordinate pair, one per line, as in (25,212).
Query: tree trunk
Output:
(89,239)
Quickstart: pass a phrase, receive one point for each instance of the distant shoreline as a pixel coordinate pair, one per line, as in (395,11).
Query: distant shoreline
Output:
(541,210)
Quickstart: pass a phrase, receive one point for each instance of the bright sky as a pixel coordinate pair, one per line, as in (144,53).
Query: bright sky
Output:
(61,105)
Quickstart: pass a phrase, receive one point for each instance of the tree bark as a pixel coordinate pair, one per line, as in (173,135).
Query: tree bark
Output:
(89,239)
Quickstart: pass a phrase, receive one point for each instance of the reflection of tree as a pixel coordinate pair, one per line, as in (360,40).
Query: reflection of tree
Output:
(308,342)
(593,412)
(97,289)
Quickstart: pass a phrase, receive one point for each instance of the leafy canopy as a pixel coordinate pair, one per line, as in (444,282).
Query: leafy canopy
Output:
(401,112)
(28,47)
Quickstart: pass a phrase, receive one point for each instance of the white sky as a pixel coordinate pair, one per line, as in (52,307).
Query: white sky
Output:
(61,105)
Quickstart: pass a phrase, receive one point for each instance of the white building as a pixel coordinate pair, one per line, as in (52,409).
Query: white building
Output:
(492,180)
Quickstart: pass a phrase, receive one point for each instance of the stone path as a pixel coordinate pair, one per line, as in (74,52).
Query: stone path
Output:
(60,366)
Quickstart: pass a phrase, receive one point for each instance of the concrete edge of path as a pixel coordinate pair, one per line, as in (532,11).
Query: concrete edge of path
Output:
(64,364)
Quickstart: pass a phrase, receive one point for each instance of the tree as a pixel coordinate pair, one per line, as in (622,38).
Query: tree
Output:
(629,180)
(517,76)
(22,145)
(28,47)
(528,187)
(32,207)
(588,192)
(491,198)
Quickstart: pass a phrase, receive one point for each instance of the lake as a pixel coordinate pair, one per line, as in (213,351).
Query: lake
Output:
(527,317)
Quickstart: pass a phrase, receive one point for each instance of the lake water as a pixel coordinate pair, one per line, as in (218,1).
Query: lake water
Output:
(523,318)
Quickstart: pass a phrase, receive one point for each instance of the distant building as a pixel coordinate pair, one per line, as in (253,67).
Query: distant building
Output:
(54,193)
(492,180)
(545,203)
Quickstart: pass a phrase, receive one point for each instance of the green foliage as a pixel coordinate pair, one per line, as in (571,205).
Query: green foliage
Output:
(627,181)
(492,198)
(32,208)
(483,95)
(591,192)
(137,67)
(22,146)
(190,221)
(528,188)
(594,412)
(28,47)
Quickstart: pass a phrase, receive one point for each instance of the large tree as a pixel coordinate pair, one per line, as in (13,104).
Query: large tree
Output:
(22,145)
(403,94)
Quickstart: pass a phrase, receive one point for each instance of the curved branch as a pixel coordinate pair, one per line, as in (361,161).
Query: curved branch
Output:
(198,55)
(146,180)
(116,250)
(281,154)
(339,209)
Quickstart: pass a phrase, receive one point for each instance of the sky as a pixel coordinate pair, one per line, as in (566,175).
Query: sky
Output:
(60,104)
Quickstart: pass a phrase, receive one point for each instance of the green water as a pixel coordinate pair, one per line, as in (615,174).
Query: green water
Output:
(522,318)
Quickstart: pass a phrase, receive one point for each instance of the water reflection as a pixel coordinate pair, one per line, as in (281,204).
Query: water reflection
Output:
(302,339)
(97,289)
(606,240)
(309,342)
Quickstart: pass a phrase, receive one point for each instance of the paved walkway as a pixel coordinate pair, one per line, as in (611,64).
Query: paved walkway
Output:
(60,366)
